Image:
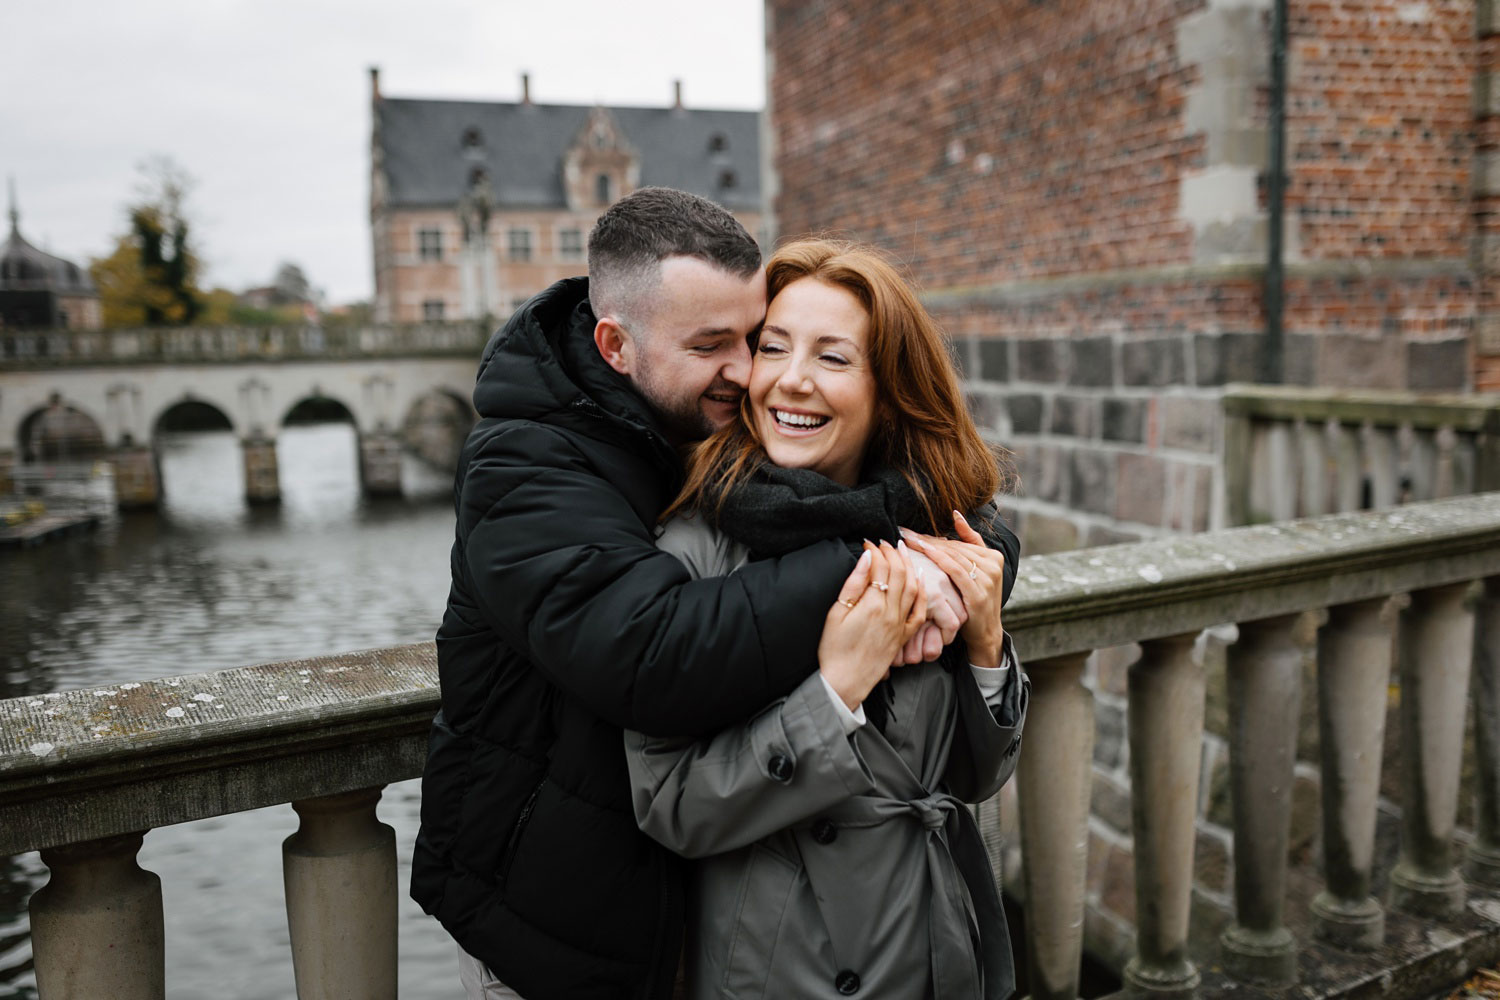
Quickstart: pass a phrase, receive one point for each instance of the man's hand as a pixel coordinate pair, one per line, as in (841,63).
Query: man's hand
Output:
(946,614)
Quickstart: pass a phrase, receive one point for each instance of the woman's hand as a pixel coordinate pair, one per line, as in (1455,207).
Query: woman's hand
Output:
(978,572)
(878,610)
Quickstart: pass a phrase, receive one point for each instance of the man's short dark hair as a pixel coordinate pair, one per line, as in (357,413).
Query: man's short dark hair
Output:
(638,232)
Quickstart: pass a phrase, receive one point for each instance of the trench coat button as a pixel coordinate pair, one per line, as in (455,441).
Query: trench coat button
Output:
(824,832)
(846,982)
(780,767)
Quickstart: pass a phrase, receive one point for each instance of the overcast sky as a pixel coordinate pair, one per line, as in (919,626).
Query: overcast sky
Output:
(265,103)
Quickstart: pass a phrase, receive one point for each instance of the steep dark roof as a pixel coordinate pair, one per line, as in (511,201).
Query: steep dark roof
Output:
(25,268)
(522,149)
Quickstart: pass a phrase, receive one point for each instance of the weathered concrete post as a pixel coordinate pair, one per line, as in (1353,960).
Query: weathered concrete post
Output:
(1265,697)
(380,464)
(1054,790)
(137,477)
(1166,736)
(262,480)
(96,926)
(1354,673)
(340,873)
(1435,648)
(1483,865)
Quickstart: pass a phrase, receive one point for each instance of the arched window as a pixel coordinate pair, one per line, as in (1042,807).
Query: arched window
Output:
(472,138)
(602,189)
(728,179)
(718,142)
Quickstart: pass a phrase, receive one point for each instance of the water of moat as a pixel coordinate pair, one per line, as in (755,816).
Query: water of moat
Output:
(206,583)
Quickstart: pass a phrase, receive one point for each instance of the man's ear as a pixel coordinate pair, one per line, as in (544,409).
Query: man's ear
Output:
(615,345)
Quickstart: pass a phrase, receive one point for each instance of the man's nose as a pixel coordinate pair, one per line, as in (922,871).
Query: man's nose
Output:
(737,366)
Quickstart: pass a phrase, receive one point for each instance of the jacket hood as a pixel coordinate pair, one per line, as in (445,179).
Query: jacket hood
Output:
(543,365)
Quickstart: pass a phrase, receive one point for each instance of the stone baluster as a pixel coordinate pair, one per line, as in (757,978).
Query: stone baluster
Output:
(1348,469)
(1265,695)
(1054,785)
(1379,446)
(96,926)
(1435,650)
(1484,854)
(1166,736)
(1354,672)
(340,871)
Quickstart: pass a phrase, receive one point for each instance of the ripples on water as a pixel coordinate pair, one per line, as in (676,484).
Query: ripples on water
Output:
(206,583)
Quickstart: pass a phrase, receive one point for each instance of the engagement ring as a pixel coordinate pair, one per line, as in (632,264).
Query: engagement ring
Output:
(880,585)
(847,604)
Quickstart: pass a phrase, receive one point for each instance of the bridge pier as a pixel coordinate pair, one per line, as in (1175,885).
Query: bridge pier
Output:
(137,477)
(380,464)
(262,481)
(7,463)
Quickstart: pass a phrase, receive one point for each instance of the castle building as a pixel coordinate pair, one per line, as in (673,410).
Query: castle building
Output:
(38,290)
(476,206)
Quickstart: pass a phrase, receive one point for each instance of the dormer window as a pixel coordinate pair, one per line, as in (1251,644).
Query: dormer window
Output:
(602,189)
(718,142)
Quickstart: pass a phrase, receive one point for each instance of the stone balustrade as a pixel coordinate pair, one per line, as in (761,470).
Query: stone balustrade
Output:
(84,773)
(1299,452)
(37,349)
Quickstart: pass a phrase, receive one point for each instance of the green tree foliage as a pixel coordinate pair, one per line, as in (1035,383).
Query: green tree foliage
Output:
(151,278)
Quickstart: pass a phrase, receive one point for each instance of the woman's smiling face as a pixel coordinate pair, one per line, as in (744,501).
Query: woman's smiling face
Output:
(812,387)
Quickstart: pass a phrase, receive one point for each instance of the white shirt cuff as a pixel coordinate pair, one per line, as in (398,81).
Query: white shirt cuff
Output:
(850,720)
(992,679)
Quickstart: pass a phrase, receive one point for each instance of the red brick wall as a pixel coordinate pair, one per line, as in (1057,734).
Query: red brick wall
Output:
(1379,127)
(989,141)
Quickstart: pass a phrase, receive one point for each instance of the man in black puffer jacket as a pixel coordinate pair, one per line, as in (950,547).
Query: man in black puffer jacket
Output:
(565,624)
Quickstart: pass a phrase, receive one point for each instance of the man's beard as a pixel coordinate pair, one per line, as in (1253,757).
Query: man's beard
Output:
(682,418)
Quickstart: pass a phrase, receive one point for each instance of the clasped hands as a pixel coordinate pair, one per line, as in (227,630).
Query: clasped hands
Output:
(903,603)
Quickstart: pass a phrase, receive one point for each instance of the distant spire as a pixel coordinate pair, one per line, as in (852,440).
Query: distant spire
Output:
(15,213)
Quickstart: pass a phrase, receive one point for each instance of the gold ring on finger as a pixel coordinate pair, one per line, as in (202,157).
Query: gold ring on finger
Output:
(880,585)
(847,604)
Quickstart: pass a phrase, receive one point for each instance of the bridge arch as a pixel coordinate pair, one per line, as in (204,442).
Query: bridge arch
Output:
(60,431)
(435,425)
(319,408)
(189,408)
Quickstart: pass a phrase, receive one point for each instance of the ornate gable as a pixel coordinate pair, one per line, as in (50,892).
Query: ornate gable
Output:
(600,166)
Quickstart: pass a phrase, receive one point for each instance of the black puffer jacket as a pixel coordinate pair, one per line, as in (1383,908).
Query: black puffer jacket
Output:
(565,625)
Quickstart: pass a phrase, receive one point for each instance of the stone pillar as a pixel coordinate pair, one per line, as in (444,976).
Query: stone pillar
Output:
(1166,738)
(1483,865)
(262,480)
(1354,674)
(1265,696)
(7,463)
(137,477)
(1054,784)
(340,872)
(1435,648)
(380,464)
(96,926)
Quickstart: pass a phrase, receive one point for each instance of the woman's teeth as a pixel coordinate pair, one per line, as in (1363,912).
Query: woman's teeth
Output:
(799,420)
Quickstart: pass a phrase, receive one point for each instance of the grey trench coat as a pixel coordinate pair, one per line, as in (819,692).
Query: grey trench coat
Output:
(833,865)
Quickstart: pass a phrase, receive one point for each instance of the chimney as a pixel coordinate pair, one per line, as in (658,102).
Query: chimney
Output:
(526,89)
(374,83)
(676,95)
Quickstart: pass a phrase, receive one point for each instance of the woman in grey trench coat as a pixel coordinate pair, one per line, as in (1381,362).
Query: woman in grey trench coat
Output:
(835,855)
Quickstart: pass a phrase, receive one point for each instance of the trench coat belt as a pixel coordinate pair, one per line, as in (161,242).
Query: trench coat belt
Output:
(952,927)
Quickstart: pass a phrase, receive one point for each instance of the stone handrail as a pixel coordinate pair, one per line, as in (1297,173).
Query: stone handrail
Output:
(1298,452)
(39,349)
(82,773)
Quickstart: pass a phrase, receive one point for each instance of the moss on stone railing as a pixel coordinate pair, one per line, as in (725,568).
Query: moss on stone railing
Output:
(37,349)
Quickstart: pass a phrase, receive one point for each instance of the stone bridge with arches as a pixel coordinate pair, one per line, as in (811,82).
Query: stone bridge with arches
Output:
(70,396)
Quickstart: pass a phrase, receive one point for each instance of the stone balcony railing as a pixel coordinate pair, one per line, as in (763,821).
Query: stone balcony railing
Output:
(83,773)
(1300,452)
(34,349)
